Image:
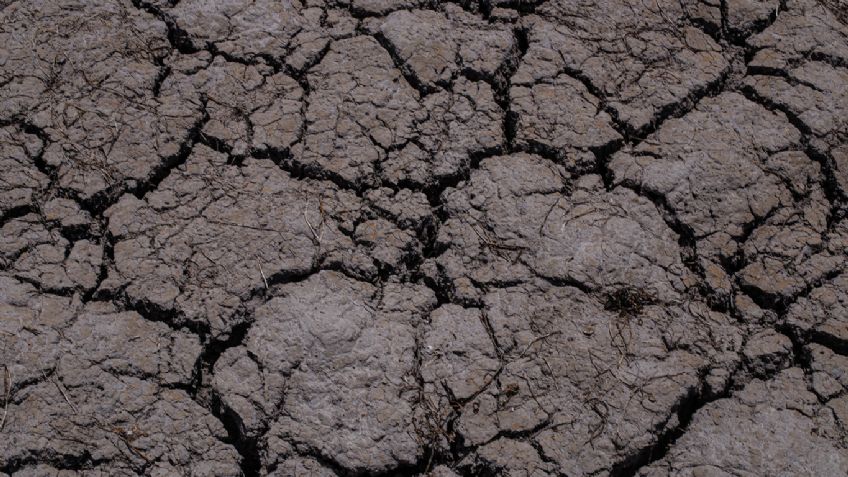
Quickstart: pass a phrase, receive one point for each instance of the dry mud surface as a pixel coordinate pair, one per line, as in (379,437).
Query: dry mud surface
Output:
(414,237)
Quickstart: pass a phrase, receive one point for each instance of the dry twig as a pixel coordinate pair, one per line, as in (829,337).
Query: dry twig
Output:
(264,278)
(536,340)
(7,394)
(320,225)
(61,390)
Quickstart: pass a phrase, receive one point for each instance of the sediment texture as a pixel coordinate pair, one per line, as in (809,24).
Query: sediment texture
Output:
(417,237)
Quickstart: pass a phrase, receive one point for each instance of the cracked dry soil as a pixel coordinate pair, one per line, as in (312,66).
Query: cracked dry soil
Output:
(416,237)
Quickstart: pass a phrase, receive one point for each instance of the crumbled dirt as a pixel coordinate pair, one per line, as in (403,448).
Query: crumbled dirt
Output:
(417,237)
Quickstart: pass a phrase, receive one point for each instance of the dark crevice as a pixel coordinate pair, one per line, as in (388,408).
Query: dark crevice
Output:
(300,170)
(213,350)
(502,83)
(156,313)
(440,285)
(97,204)
(169,164)
(836,7)
(249,445)
(362,14)
(523,7)
(716,32)
(687,239)
(38,159)
(736,262)
(479,467)
(739,36)
(221,146)
(671,111)
(837,344)
(36,283)
(410,469)
(801,337)
(246,446)
(801,356)
(780,303)
(177,37)
(403,67)
(161,76)
(752,95)
(831,60)
(699,397)
(562,282)
(256,59)
(833,192)
(632,137)
(301,76)
(669,431)
(601,156)
(435,190)
(725,15)
(40,164)
(687,242)
(82,462)
(17,213)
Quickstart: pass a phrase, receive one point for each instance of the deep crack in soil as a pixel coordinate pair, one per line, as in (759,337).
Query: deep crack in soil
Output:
(416,237)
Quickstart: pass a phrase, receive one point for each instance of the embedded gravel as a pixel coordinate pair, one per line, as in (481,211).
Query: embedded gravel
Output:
(406,237)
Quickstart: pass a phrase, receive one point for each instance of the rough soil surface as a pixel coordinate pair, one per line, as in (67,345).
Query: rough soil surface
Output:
(418,237)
